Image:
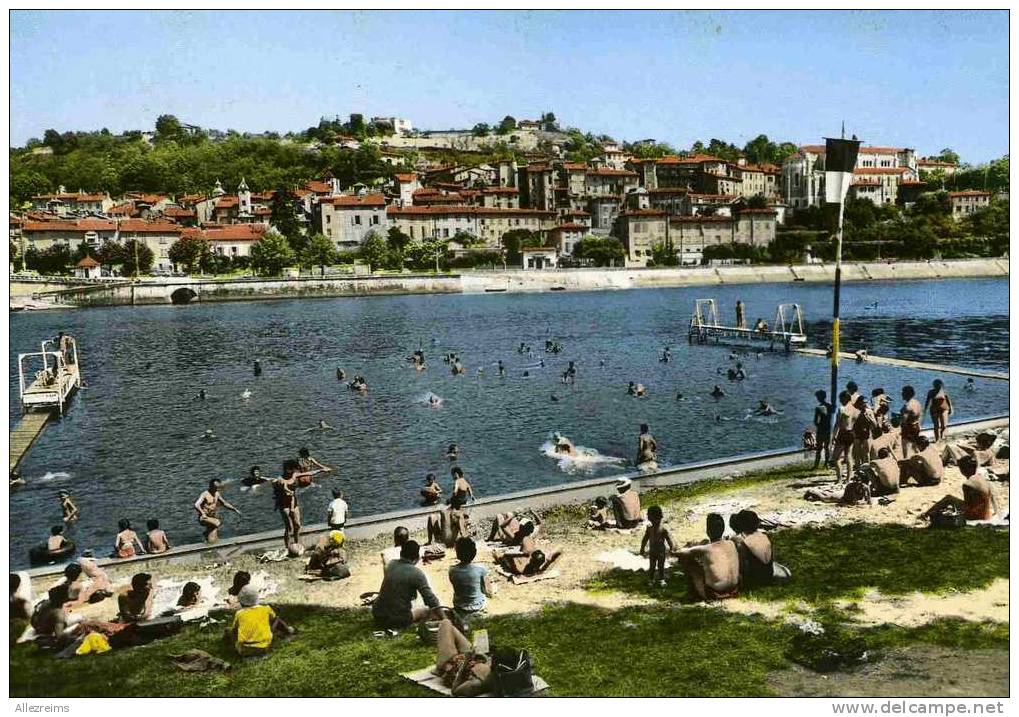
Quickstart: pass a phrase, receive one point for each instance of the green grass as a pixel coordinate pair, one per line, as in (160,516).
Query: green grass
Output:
(845,561)
(578,649)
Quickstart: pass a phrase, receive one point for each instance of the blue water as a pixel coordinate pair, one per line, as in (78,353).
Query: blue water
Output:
(130,444)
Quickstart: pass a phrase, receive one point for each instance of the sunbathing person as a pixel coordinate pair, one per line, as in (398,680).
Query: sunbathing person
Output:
(432,492)
(464,671)
(242,578)
(254,625)
(328,558)
(450,524)
(855,492)
(506,527)
(100,580)
(135,604)
(711,569)
(156,540)
(529,565)
(756,559)
(925,466)
(886,473)
(126,544)
(626,505)
(978,502)
(599,515)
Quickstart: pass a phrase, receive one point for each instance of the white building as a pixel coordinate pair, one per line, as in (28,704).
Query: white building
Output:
(347,219)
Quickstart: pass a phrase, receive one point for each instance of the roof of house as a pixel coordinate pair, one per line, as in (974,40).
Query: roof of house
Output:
(821,149)
(227,201)
(572,228)
(87,263)
(610,172)
(468,210)
(701,219)
(574,166)
(179,212)
(880,170)
(354,200)
(500,190)
(229,232)
(714,197)
(80,225)
(643,213)
(318,187)
(142,226)
(127,209)
(577,213)
(970,193)
(406,177)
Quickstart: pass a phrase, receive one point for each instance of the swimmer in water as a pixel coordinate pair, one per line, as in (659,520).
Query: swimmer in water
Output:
(68,507)
(570,374)
(16,480)
(320,426)
(717,392)
(340,374)
(453,452)
(764,409)
(970,385)
(208,435)
(679,396)
(246,394)
(647,449)
(563,445)
(502,370)
(201,396)
(254,477)
(432,492)
(554,398)
(666,355)
(718,419)
(434,401)
(527,374)
(636,389)
(257,367)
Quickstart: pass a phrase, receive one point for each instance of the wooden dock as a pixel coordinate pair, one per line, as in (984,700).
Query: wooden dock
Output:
(975,372)
(24,434)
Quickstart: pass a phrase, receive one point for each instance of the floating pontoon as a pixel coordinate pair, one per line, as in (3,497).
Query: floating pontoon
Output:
(705,327)
(56,376)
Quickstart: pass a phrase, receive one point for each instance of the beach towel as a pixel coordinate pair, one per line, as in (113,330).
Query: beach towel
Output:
(428,678)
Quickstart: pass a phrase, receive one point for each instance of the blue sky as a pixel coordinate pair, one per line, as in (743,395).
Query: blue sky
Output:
(921,79)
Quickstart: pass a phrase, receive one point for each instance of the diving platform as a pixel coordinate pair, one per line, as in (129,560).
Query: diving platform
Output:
(706,327)
(47,378)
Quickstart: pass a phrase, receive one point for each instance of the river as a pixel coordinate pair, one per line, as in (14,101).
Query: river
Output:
(130,445)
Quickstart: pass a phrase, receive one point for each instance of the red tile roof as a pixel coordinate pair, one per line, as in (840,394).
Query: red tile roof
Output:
(643,213)
(127,209)
(231,232)
(466,210)
(81,225)
(572,228)
(318,187)
(87,263)
(574,166)
(714,197)
(577,213)
(406,177)
(225,202)
(179,212)
(500,190)
(353,200)
(969,193)
(700,219)
(141,226)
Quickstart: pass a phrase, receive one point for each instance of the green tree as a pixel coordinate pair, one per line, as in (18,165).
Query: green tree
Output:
(110,253)
(396,239)
(758,201)
(168,127)
(653,150)
(136,257)
(189,253)
(515,240)
(374,250)
(271,253)
(481,130)
(284,219)
(507,125)
(662,256)
(948,155)
(602,251)
(318,252)
(54,260)
(215,263)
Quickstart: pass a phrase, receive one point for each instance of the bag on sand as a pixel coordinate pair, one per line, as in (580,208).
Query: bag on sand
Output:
(512,672)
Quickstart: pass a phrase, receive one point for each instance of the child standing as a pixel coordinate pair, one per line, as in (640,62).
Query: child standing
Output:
(67,506)
(656,539)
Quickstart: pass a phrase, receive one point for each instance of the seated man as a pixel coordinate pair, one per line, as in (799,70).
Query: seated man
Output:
(626,505)
(925,466)
(254,625)
(450,524)
(756,560)
(712,568)
(49,620)
(402,582)
(886,473)
(328,558)
(978,502)
(136,604)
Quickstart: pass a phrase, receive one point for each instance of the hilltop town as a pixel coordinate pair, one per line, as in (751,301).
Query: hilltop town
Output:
(523,194)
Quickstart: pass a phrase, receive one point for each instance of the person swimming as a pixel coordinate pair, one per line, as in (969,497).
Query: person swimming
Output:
(320,426)
(453,452)
(563,445)
(201,396)
(679,396)
(636,389)
(208,435)
(254,477)
(970,385)
(717,392)
(666,355)
(764,409)
(434,401)
(554,398)
(257,367)
(570,374)
(340,374)
(246,394)
(502,370)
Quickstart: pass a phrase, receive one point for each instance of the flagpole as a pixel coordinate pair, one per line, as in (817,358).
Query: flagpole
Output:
(835,312)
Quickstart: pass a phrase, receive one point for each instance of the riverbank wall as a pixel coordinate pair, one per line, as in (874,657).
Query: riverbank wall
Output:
(415,519)
(195,290)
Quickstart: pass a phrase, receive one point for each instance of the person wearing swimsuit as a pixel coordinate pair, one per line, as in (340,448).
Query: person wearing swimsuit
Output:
(207,507)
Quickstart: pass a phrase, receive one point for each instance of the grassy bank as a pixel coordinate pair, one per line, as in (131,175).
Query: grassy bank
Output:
(666,647)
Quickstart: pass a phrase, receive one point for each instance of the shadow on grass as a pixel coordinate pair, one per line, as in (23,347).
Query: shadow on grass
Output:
(844,561)
(578,649)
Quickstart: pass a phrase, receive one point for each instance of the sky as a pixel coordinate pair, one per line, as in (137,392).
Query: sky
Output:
(925,80)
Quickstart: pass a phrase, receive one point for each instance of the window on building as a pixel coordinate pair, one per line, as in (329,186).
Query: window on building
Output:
(375,219)
(357,219)
(445,233)
(328,218)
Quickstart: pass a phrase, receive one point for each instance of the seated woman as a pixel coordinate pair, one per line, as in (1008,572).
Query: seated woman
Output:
(136,604)
(450,524)
(127,543)
(100,580)
(241,579)
(756,560)
(328,558)
(190,596)
(464,671)
(978,502)
(469,580)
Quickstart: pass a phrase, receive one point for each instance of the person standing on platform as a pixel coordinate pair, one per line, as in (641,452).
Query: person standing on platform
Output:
(741,319)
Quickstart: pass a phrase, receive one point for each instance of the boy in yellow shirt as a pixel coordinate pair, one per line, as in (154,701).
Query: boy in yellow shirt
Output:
(254,625)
